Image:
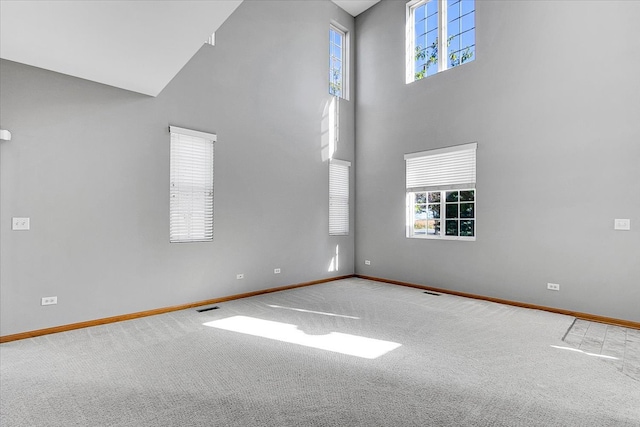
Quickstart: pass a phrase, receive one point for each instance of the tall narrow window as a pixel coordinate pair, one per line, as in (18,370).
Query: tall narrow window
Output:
(436,26)
(191,186)
(339,197)
(441,194)
(337,62)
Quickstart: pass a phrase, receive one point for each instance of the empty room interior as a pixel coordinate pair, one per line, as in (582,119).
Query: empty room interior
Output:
(340,213)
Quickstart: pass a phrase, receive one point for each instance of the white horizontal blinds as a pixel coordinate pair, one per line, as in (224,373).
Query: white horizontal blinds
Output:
(338,197)
(444,169)
(191,186)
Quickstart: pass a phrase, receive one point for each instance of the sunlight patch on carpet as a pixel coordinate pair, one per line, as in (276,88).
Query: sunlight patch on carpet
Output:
(314,312)
(352,345)
(584,352)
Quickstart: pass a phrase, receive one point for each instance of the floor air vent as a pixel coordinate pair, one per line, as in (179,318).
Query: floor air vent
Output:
(432,293)
(207,309)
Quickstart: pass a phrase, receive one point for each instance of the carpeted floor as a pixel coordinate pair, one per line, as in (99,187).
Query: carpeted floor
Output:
(413,359)
(613,344)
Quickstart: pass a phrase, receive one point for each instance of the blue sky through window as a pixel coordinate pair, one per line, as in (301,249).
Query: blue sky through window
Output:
(336,47)
(460,33)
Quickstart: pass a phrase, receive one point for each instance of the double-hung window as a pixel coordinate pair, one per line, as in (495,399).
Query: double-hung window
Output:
(437,26)
(441,194)
(338,197)
(338,39)
(191,186)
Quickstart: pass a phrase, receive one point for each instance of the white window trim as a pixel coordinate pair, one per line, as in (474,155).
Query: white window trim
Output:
(189,132)
(413,187)
(410,219)
(176,233)
(337,225)
(345,56)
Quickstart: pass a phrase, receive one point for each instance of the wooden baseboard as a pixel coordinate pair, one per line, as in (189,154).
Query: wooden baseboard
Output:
(105,320)
(578,314)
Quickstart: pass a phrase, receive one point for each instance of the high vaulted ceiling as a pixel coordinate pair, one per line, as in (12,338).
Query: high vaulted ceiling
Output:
(134,45)
(355,7)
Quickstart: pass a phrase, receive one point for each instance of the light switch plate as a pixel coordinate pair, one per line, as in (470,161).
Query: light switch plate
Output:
(622,224)
(19,223)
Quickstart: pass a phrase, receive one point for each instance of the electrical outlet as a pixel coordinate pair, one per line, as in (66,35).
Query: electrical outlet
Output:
(367,262)
(49,301)
(240,276)
(553,286)
(276,271)
(20,223)
(622,224)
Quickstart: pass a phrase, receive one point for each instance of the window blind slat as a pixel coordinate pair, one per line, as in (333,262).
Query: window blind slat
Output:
(338,198)
(191,186)
(444,169)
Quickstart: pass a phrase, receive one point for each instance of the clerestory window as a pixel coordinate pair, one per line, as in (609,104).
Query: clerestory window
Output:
(338,62)
(437,26)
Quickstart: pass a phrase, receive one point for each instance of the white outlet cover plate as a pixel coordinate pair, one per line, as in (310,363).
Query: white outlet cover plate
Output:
(49,300)
(622,224)
(20,223)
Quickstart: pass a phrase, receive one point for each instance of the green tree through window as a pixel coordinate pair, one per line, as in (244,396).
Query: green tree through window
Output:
(437,26)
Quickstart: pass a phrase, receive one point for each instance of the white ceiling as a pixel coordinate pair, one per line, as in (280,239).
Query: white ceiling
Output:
(137,45)
(134,45)
(355,7)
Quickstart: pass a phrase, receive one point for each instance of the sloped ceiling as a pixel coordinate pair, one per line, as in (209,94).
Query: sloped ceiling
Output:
(137,45)
(355,7)
(134,45)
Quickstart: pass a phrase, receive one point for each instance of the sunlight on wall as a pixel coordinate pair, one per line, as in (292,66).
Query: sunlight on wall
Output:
(334,265)
(329,128)
(584,352)
(351,345)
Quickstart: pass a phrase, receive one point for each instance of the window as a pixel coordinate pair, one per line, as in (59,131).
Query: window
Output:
(191,186)
(337,62)
(441,194)
(435,26)
(338,197)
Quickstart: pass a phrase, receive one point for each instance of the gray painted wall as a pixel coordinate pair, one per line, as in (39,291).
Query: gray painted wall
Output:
(558,160)
(553,100)
(89,165)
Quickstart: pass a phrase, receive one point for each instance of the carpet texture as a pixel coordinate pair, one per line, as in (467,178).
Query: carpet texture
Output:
(460,362)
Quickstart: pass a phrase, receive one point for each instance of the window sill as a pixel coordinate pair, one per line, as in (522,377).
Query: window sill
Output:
(427,237)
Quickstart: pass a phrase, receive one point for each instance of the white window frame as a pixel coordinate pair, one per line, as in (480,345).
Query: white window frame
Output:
(443,65)
(191,185)
(440,170)
(344,89)
(339,197)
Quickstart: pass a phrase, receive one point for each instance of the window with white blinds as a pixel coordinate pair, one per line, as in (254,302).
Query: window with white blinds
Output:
(441,195)
(338,197)
(191,186)
(444,168)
